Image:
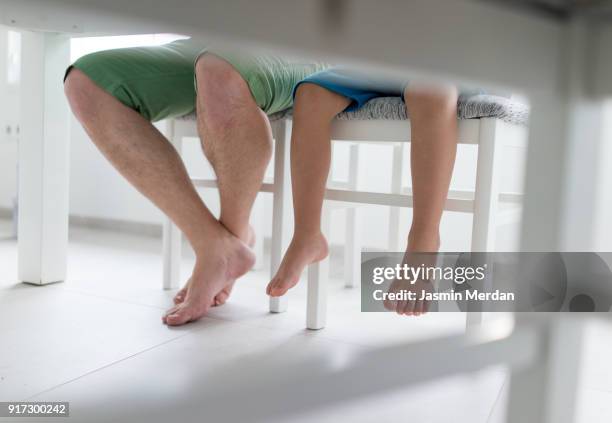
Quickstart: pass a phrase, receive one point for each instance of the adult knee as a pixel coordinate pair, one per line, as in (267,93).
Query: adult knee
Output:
(80,92)
(222,92)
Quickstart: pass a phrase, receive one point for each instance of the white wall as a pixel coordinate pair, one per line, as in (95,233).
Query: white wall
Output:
(9,106)
(98,191)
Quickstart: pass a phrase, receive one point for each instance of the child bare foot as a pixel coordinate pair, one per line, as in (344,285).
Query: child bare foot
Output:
(224,259)
(415,307)
(224,294)
(302,251)
(416,255)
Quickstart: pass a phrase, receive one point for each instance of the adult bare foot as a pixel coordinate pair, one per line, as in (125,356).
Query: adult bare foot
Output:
(219,299)
(225,259)
(224,294)
(302,251)
(180,296)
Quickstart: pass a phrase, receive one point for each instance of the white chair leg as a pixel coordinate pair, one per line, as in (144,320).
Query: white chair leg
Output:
(172,237)
(473,319)
(318,277)
(258,215)
(352,247)
(397,171)
(281,209)
(172,255)
(488,172)
(486,195)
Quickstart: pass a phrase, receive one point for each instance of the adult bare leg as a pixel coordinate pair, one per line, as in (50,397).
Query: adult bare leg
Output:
(237,140)
(150,163)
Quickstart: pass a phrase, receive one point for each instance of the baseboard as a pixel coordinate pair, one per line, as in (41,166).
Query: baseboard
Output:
(145,229)
(120,225)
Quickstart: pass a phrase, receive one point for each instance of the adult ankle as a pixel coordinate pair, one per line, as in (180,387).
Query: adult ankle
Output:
(207,242)
(242,234)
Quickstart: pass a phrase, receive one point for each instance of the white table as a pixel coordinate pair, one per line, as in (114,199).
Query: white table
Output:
(468,40)
(562,62)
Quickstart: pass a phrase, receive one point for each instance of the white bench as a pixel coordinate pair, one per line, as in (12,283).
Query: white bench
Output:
(489,122)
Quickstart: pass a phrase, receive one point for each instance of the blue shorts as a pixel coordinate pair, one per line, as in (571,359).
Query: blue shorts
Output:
(360,87)
(356,86)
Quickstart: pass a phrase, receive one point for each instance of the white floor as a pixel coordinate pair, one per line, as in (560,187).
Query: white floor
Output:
(97,341)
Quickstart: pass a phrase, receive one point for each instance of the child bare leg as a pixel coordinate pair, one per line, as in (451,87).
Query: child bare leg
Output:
(314,109)
(433,120)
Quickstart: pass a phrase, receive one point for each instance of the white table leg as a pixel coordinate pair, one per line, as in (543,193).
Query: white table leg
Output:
(563,184)
(43,159)
(562,188)
(545,390)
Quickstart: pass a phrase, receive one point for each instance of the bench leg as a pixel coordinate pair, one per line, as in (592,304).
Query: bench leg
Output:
(397,170)
(172,241)
(281,209)
(172,237)
(488,179)
(318,277)
(259,216)
(352,247)
(44,159)
(486,195)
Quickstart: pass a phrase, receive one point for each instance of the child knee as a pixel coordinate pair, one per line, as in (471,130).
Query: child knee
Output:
(311,94)
(431,99)
(313,100)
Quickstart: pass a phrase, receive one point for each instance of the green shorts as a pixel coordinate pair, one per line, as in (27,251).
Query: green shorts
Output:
(158,81)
